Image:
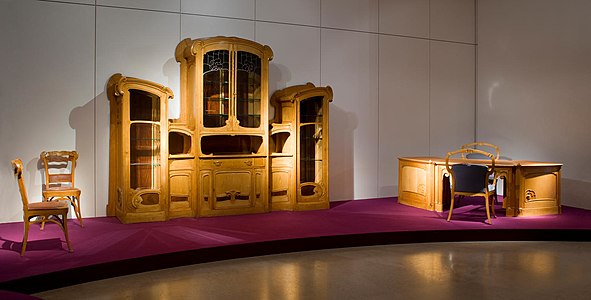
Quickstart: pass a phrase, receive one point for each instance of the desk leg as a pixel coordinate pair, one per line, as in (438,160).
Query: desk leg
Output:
(510,201)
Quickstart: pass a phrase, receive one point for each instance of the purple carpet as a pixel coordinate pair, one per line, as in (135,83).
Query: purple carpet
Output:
(105,248)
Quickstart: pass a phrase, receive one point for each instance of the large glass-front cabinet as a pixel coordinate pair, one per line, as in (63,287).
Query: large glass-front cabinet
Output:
(227,79)
(299,148)
(138,187)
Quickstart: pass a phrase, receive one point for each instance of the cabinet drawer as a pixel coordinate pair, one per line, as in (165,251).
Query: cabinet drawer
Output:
(181,164)
(232,163)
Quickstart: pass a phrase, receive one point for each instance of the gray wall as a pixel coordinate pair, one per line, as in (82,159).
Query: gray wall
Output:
(534,85)
(403,74)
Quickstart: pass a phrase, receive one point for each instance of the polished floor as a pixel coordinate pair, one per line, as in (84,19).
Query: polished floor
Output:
(461,270)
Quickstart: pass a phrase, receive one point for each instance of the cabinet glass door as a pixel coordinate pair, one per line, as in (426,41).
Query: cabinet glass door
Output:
(248,89)
(144,144)
(311,147)
(216,88)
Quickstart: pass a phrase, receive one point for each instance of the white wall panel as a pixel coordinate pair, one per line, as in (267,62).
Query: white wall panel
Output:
(243,9)
(72,1)
(350,65)
(361,15)
(46,92)
(296,52)
(163,5)
(403,106)
(452,96)
(56,69)
(137,44)
(200,27)
(453,20)
(404,17)
(534,70)
(303,12)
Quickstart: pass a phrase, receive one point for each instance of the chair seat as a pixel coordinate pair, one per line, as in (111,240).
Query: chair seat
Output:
(48,205)
(60,191)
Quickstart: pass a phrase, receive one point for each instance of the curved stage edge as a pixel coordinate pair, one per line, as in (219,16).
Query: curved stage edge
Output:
(347,224)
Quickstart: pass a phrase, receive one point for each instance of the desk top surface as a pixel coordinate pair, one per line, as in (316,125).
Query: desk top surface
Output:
(499,163)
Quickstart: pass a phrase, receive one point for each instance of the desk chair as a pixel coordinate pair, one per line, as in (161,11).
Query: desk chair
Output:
(470,179)
(490,148)
(53,211)
(59,178)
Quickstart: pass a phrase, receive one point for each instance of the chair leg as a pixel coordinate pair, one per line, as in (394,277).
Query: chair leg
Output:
(43,218)
(487,205)
(25,237)
(492,205)
(451,206)
(65,228)
(75,201)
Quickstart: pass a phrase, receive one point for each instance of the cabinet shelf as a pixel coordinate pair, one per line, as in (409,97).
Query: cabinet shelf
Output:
(310,159)
(215,82)
(144,139)
(144,164)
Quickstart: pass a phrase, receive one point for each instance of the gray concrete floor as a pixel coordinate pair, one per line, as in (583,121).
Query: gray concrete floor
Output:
(490,270)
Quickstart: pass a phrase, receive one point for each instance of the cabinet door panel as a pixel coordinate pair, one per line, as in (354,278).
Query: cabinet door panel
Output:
(216,88)
(232,189)
(248,89)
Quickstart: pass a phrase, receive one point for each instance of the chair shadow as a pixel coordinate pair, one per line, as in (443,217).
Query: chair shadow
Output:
(35,245)
(472,209)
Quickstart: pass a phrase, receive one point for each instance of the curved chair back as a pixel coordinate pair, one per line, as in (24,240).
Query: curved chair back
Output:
(489,148)
(17,165)
(64,165)
(469,178)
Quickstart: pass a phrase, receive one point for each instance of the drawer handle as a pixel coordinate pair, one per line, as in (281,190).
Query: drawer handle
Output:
(248,162)
(217,163)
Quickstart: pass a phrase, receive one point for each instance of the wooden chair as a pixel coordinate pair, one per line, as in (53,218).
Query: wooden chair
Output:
(470,179)
(59,178)
(492,149)
(53,211)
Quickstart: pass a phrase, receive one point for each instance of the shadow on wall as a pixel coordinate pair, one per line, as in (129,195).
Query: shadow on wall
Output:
(279,76)
(82,120)
(171,70)
(342,154)
(576,193)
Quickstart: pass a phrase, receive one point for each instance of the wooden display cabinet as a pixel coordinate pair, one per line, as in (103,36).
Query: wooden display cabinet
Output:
(299,148)
(226,80)
(138,153)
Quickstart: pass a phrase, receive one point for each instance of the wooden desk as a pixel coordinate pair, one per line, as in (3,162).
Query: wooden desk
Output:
(531,188)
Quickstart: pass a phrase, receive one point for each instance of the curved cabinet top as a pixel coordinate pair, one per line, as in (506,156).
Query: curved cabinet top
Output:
(188,48)
(118,84)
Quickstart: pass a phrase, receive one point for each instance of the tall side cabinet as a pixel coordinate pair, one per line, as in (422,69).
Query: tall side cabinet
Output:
(226,80)
(299,148)
(138,158)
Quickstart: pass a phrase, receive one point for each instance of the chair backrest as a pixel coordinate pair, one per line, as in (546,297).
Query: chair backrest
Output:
(17,165)
(468,177)
(488,147)
(59,167)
